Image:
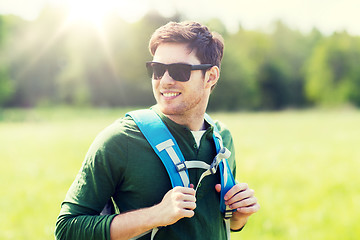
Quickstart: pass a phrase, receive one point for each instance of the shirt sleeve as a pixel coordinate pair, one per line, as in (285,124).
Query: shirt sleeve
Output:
(93,186)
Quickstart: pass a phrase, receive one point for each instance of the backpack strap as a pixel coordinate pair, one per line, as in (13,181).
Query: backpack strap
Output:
(165,146)
(227,178)
(163,143)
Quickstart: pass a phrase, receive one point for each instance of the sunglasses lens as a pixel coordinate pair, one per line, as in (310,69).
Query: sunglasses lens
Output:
(149,69)
(180,72)
(159,70)
(156,70)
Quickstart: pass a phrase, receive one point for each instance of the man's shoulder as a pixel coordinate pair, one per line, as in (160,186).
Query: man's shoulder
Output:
(224,132)
(222,127)
(117,132)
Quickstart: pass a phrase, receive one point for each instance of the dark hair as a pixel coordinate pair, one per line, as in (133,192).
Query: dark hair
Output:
(209,46)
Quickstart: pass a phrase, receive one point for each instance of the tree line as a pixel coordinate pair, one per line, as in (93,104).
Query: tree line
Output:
(49,62)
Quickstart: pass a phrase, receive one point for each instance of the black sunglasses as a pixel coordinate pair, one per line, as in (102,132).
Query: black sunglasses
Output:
(178,71)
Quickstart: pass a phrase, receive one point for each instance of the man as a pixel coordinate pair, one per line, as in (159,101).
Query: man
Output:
(122,165)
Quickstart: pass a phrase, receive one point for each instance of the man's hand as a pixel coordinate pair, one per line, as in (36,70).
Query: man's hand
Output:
(178,203)
(241,198)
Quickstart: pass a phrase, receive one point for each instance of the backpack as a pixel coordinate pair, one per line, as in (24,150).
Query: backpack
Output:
(165,146)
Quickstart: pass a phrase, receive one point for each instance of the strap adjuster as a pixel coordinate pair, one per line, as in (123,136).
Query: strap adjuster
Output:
(181,166)
(228,214)
(224,153)
(214,166)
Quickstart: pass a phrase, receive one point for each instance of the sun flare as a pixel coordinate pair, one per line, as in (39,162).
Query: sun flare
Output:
(95,11)
(91,11)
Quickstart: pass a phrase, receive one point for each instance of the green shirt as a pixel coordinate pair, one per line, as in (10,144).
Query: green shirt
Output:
(121,164)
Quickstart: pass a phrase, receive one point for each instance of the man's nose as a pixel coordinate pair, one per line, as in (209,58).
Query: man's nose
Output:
(167,79)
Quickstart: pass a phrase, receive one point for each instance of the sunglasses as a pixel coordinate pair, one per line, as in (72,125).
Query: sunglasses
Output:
(177,71)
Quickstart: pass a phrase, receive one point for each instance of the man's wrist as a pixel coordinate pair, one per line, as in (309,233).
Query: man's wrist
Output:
(238,230)
(237,224)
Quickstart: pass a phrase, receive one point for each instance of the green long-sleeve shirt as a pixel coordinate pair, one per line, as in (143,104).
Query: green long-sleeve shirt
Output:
(121,164)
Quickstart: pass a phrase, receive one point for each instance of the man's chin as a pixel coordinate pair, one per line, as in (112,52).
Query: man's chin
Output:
(167,110)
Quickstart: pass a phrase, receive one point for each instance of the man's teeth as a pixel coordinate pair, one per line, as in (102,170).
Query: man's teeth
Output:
(171,94)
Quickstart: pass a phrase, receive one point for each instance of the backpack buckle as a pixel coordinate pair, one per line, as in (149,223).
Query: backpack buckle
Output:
(224,153)
(214,166)
(181,166)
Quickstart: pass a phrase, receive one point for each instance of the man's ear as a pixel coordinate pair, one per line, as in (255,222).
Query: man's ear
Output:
(212,76)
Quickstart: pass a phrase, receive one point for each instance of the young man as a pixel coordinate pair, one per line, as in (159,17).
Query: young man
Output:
(121,164)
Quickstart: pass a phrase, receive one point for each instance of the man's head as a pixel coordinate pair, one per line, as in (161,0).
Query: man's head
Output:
(208,46)
(185,68)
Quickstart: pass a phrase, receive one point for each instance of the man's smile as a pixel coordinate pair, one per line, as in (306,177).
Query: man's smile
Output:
(170,94)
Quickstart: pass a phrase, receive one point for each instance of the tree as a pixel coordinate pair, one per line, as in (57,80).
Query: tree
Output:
(332,73)
(284,67)
(238,88)
(6,84)
(272,84)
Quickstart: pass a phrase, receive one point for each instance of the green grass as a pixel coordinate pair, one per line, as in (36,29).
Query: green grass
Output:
(304,167)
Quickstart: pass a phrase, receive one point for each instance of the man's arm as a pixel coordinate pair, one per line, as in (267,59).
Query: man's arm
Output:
(178,203)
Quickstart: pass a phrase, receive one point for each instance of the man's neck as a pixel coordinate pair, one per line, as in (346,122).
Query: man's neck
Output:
(194,122)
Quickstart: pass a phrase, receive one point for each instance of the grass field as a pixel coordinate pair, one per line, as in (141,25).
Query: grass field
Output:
(303,165)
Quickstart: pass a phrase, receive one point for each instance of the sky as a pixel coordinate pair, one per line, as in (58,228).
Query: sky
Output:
(326,15)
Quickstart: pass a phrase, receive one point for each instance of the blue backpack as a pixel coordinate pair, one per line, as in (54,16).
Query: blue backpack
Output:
(165,146)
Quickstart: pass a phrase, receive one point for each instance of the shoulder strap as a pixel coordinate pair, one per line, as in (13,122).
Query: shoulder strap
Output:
(166,147)
(227,178)
(163,143)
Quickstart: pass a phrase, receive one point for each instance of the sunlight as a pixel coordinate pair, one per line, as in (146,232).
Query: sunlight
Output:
(95,11)
(91,11)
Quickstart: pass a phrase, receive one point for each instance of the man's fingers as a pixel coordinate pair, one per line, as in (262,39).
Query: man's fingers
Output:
(240,196)
(185,197)
(235,190)
(178,203)
(247,202)
(218,187)
(249,209)
(188,198)
(185,190)
(188,213)
(188,205)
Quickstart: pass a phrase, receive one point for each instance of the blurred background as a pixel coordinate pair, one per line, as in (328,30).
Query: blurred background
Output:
(289,91)
(278,55)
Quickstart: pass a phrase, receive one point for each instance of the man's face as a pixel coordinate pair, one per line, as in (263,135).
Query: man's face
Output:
(174,97)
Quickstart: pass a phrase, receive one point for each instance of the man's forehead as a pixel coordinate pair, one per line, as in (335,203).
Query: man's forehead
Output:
(175,53)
